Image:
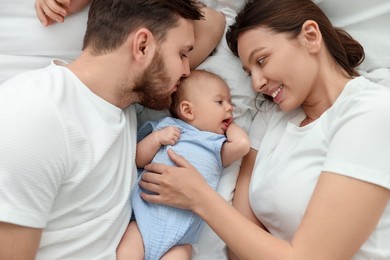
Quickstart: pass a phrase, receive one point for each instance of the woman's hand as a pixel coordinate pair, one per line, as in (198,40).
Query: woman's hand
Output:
(52,11)
(176,186)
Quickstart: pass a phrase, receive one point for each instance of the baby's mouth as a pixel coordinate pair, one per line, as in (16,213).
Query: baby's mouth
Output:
(227,121)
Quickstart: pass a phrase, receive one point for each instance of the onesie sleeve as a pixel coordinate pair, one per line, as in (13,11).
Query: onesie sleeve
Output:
(32,157)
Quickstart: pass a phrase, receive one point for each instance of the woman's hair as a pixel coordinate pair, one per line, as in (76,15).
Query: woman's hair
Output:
(111,21)
(288,16)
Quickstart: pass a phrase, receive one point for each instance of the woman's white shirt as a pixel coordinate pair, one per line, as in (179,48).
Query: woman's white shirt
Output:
(350,138)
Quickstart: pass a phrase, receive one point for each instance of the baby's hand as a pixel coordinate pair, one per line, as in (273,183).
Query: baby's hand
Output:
(232,129)
(168,135)
(52,11)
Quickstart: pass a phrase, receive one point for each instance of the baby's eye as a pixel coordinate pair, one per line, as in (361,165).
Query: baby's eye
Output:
(183,55)
(220,102)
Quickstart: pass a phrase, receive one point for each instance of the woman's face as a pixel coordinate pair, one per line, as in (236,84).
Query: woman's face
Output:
(280,66)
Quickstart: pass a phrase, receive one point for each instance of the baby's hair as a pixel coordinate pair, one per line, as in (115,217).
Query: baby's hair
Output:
(183,88)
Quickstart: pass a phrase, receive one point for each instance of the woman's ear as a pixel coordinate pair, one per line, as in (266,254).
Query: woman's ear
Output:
(143,46)
(186,110)
(312,36)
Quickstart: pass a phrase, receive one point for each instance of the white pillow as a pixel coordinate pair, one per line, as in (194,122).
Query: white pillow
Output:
(368,22)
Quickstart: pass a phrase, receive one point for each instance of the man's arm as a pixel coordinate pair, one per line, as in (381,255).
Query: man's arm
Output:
(208,34)
(18,242)
(52,11)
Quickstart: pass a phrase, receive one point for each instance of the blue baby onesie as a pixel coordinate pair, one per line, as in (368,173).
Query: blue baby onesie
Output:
(163,227)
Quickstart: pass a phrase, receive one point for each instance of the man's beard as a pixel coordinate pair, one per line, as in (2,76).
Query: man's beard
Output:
(152,85)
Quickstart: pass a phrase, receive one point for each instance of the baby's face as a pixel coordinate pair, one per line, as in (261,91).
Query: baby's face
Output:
(212,106)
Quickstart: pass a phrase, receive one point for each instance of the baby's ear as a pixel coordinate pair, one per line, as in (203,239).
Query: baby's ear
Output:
(186,110)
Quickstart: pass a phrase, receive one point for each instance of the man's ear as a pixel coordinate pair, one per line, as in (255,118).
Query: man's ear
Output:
(144,45)
(312,36)
(186,110)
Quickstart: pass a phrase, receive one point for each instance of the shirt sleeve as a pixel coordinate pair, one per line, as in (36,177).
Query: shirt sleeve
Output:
(32,157)
(359,143)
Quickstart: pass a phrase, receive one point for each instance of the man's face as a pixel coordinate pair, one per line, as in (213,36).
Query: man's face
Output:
(152,85)
(170,63)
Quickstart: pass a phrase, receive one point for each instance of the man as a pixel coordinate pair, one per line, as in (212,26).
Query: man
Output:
(67,135)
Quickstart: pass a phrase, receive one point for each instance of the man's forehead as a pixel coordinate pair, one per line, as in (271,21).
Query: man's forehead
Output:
(184,33)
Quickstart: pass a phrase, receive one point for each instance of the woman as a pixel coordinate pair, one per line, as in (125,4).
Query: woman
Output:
(316,183)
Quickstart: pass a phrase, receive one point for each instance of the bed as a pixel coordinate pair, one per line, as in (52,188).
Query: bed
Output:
(25,44)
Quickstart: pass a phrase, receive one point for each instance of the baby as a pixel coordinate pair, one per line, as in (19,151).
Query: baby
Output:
(202,131)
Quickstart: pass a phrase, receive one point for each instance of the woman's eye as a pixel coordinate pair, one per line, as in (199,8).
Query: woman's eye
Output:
(261,60)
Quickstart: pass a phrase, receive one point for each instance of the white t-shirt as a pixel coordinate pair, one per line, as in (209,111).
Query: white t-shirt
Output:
(66,163)
(351,138)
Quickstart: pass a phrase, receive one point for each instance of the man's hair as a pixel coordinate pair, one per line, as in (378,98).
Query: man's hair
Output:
(111,21)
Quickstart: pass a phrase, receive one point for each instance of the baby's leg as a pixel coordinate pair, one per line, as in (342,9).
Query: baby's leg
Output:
(131,245)
(182,252)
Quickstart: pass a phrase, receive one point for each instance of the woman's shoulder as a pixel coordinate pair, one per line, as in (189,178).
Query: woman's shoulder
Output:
(363,90)
(362,100)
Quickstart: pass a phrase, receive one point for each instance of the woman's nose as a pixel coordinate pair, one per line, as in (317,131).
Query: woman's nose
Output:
(259,82)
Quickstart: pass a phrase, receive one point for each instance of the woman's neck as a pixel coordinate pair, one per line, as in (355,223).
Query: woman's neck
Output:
(328,88)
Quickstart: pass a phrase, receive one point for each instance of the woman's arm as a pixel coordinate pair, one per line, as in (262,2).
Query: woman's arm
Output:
(208,34)
(340,216)
(241,193)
